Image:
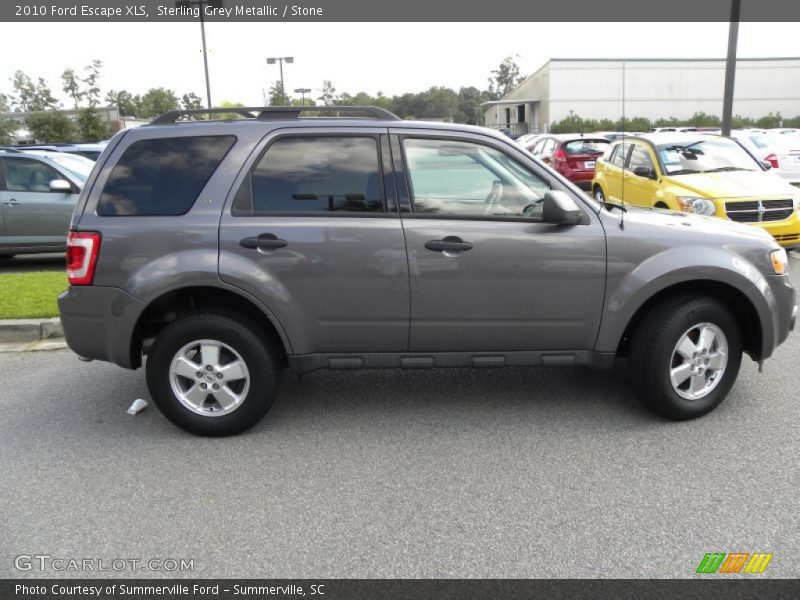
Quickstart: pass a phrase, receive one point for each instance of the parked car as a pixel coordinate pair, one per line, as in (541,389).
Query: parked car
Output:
(37,197)
(430,245)
(775,151)
(701,174)
(528,140)
(90,151)
(573,155)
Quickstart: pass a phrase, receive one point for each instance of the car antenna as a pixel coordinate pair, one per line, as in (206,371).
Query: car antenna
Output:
(622,199)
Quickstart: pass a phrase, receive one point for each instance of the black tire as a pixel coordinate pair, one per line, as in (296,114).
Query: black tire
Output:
(598,194)
(259,357)
(650,355)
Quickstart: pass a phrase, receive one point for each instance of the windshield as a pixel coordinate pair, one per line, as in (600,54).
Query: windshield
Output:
(705,156)
(78,166)
(594,146)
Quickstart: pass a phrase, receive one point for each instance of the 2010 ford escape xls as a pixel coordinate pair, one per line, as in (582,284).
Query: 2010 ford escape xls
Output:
(226,250)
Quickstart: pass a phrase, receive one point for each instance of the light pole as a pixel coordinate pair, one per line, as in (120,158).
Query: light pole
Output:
(279,59)
(302,91)
(201,4)
(730,68)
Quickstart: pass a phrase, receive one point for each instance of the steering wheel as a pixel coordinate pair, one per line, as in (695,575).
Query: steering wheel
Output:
(530,208)
(493,199)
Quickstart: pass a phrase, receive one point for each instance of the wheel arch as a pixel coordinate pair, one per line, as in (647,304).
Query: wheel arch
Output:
(743,309)
(183,301)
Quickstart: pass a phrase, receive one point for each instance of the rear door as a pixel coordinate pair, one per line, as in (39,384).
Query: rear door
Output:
(313,233)
(33,214)
(486,273)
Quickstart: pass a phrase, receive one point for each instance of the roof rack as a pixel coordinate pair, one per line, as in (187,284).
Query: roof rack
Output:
(11,149)
(276,113)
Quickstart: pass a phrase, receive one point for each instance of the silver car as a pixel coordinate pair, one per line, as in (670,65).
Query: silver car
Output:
(38,192)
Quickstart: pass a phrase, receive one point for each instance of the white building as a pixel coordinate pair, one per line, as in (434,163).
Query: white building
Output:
(592,88)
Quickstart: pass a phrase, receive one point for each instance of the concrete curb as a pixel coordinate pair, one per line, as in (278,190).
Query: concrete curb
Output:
(26,331)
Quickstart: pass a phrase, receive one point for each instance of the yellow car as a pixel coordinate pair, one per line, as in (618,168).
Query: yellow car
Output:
(702,174)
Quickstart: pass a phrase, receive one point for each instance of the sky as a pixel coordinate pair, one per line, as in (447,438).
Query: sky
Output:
(393,58)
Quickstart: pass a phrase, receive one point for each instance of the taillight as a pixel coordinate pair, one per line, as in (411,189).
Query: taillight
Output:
(560,155)
(82,250)
(773,160)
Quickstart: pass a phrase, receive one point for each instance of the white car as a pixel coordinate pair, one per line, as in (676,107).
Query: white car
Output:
(781,151)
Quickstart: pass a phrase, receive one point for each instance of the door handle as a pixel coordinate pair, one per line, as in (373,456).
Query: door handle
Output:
(265,241)
(12,202)
(449,244)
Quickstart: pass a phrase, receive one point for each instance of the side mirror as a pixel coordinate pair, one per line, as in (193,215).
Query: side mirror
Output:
(559,208)
(60,185)
(644,172)
(766,164)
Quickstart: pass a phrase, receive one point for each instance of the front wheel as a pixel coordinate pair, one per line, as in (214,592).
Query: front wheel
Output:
(212,375)
(599,195)
(685,356)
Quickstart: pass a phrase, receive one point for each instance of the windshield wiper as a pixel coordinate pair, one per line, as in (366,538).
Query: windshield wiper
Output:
(723,169)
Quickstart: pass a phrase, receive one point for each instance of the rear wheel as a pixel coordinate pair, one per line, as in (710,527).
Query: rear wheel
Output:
(685,356)
(598,194)
(212,375)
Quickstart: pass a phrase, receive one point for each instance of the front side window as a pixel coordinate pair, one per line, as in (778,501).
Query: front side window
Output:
(314,174)
(465,179)
(26,175)
(640,157)
(162,176)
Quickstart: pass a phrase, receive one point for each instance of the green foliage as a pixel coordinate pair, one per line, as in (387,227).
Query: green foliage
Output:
(276,96)
(794,122)
(739,122)
(701,119)
(770,121)
(128,104)
(71,86)
(91,83)
(157,101)
(191,101)
(51,126)
(504,78)
(328,93)
(30,96)
(8,128)
(91,126)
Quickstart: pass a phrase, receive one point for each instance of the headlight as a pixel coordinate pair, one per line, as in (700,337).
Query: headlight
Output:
(699,206)
(796,201)
(780,261)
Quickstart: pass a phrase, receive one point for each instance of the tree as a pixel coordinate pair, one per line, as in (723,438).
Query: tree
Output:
(8,129)
(504,78)
(229,104)
(157,101)
(328,93)
(30,96)
(51,126)
(191,101)
(4,103)
(91,126)
(769,121)
(91,81)
(128,104)
(276,96)
(71,86)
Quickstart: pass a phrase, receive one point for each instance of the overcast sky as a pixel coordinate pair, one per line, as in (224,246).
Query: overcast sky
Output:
(371,57)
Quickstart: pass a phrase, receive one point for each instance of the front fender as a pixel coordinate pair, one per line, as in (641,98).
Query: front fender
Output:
(676,266)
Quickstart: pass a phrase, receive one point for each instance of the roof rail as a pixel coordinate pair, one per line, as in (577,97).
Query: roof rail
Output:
(11,149)
(274,113)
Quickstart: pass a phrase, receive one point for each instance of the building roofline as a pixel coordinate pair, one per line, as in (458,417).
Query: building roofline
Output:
(594,59)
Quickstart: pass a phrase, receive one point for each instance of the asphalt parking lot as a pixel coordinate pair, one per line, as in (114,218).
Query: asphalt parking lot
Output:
(463,473)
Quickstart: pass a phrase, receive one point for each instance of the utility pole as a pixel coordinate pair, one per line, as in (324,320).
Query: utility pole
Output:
(730,67)
(201,4)
(279,59)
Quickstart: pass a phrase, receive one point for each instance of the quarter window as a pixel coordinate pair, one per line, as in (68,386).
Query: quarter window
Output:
(466,179)
(162,176)
(314,174)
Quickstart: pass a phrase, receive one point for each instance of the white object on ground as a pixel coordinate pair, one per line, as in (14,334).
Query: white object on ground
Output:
(138,406)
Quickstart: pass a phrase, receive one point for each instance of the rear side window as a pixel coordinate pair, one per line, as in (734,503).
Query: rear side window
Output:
(162,176)
(314,174)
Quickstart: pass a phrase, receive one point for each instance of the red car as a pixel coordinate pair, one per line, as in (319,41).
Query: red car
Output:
(573,155)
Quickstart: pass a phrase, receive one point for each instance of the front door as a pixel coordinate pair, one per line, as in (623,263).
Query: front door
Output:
(640,189)
(486,273)
(312,234)
(33,214)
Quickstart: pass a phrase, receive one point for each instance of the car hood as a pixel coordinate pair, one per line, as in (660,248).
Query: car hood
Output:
(684,226)
(733,184)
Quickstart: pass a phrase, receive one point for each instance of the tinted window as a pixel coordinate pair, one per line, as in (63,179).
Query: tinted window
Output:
(25,175)
(314,174)
(163,176)
(461,178)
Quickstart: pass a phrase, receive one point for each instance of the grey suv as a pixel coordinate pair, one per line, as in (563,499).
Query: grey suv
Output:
(226,250)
